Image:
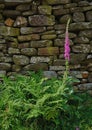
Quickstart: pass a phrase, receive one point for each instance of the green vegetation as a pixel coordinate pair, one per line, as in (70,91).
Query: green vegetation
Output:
(36,103)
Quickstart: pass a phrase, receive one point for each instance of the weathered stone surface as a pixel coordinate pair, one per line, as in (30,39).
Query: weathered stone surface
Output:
(45,9)
(76,74)
(48,51)
(59,62)
(20,22)
(48,36)
(82,40)
(7,59)
(29,51)
(65,18)
(57,68)
(13,44)
(80,26)
(88,8)
(2,73)
(90,78)
(1,17)
(40,59)
(2,46)
(23,7)
(41,20)
(89,16)
(5,66)
(42,43)
(36,67)
(2,6)
(71,5)
(9,22)
(71,35)
(16,68)
(13,51)
(50,74)
(29,30)
(76,9)
(61,42)
(23,45)
(12,13)
(17,1)
(78,17)
(2,41)
(83,3)
(9,31)
(53,2)
(20,59)
(60,11)
(86,86)
(86,33)
(24,38)
(82,48)
(60,26)
(77,58)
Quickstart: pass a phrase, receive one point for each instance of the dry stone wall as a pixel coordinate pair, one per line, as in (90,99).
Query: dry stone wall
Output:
(32,38)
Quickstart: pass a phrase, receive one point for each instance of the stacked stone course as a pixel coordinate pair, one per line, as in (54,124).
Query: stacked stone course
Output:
(32,38)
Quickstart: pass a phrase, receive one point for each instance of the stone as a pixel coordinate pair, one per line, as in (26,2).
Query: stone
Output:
(2,6)
(60,11)
(1,17)
(57,68)
(88,8)
(29,30)
(2,46)
(12,13)
(48,36)
(40,59)
(2,41)
(13,44)
(13,50)
(82,48)
(55,2)
(81,40)
(86,33)
(76,9)
(70,5)
(71,35)
(41,20)
(5,66)
(50,74)
(90,78)
(65,18)
(86,86)
(89,16)
(85,74)
(23,45)
(16,68)
(20,22)
(36,67)
(2,73)
(59,62)
(83,3)
(9,31)
(76,74)
(41,43)
(45,9)
(7,59)
(17,1)
(78,17)
(9,22)
(77,58)
(48,51)
(20,60)
(29,51)
(23,7)
(80,26)
(25,38)
(60,42)
(60,26)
